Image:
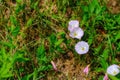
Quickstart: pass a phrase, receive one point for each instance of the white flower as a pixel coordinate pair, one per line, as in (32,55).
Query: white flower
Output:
(113,70)
(82,47)
(73,24)
(77,33)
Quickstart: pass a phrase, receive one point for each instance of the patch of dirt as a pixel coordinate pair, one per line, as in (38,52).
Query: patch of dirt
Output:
(114,6)
(68,69)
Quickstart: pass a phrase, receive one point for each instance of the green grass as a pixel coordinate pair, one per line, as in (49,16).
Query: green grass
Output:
(32,33)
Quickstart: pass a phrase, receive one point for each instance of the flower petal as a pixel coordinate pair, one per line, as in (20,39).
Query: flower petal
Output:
(54,66)
(86,70)
(73,24)
(77,33)
(106,77)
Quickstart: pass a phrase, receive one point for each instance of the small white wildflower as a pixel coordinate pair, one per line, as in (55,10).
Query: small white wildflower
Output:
(77,33)
(113,70)
(82,47)
(73,24)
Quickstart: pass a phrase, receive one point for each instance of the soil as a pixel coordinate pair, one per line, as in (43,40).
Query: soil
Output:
(114,6)
(68,69)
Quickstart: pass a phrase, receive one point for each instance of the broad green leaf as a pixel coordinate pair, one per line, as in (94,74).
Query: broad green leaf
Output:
(113,77)
(90,39)
(100,78)
(105,54)
(94,7)
(99,70)
(13,20)
(43,59)
(45,68)
(52,39)
(8,75)
(97,50)
(98,9)
(8,44)
(103,63)
(58,42)
(91,7)
(95,2)
(27,77)
(118,19)
(41,50)
(117,37)
(85,18)
(18,1)
(20,7)
(15,31)
(19,57)
(5,70)
(85,8)
(60,33)
(36,4)
(35,73)
(29,22)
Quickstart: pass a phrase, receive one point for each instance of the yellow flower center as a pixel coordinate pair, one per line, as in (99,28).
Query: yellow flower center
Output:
(114,72)
(82,48)
(75,34)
